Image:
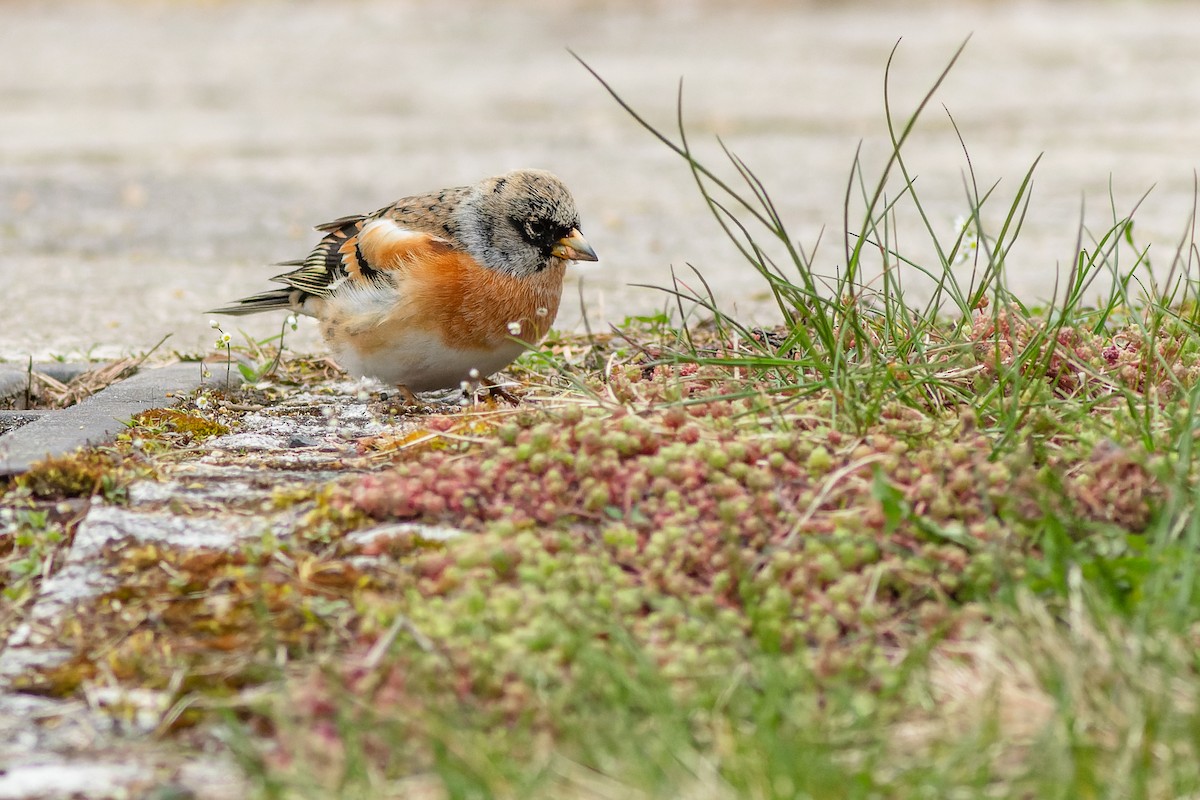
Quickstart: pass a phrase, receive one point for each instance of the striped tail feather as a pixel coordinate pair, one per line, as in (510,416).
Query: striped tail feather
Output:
(276,299)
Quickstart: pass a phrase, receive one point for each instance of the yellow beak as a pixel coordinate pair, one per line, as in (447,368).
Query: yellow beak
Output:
(573,247)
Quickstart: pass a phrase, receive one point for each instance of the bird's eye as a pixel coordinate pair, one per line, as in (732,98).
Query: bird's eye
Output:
(538,230)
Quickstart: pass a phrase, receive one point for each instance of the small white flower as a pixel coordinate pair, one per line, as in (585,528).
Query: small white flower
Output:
(969,239)
(473,374)
(514,328)
(465,386)
(202,402)
(292,322)
(216,326)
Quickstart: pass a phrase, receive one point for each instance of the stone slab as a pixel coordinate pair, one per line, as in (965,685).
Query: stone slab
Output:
(98,418)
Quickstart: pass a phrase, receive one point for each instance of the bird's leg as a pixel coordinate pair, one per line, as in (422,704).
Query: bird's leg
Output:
(495,391)
(407,396)
(491,392)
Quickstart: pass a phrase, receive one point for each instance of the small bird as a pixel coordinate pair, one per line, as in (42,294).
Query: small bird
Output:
(437,289)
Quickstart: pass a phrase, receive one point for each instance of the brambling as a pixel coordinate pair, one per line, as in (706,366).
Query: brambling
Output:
(438,289)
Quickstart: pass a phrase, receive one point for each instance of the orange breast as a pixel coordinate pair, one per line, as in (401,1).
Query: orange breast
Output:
(448,298)
(472,307)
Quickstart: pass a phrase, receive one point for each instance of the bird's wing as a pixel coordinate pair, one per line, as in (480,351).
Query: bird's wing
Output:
(360,248)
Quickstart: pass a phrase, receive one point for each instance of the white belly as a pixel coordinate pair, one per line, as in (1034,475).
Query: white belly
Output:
(424,363)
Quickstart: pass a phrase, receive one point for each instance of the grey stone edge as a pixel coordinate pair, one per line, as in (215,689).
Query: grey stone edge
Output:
(99,418)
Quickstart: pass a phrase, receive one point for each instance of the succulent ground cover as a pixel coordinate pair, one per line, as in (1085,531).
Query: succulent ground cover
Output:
(879,550)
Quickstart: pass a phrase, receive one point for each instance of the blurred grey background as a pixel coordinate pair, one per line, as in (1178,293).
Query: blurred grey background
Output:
(157,157)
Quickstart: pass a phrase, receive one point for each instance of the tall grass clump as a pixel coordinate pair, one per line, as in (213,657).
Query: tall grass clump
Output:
(850,328)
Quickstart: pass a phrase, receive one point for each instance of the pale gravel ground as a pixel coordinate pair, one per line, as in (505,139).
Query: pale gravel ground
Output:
(155,157)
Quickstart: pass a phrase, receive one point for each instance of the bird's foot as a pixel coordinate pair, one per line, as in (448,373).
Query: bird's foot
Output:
(487,392)
(498,392)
